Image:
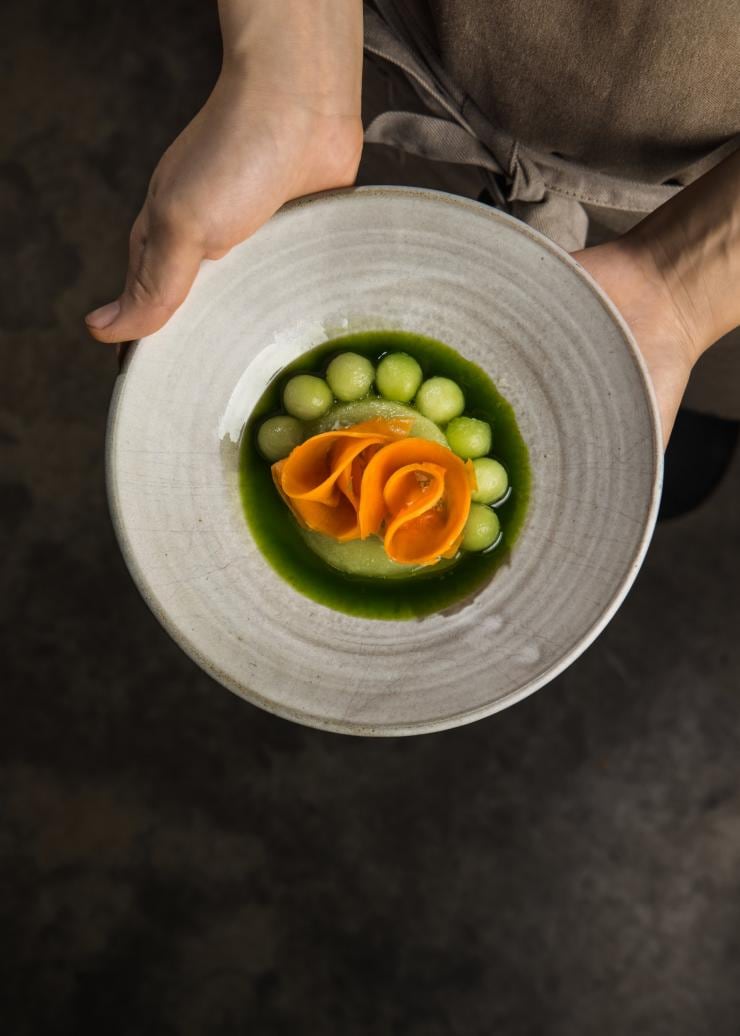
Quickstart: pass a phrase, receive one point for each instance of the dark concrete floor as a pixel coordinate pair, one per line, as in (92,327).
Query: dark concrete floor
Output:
(173,861)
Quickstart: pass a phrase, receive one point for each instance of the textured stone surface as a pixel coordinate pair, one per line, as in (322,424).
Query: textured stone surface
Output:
(173,861)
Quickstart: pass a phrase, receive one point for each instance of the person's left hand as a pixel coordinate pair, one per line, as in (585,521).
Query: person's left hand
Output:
(626,272)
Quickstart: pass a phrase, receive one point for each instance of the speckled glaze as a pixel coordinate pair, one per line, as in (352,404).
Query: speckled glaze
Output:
(507,299)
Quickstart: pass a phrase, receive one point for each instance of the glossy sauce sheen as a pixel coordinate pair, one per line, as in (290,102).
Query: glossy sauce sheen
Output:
(274,527)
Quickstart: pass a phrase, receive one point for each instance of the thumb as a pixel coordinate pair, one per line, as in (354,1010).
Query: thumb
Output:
(163,263)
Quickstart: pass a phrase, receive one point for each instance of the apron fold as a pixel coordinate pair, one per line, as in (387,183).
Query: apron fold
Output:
(549,193)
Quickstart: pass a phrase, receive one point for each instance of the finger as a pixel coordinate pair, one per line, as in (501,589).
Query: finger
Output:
(102,318)
(163,263)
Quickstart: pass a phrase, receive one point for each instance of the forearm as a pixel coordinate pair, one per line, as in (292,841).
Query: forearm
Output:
(694,243)
(297,48)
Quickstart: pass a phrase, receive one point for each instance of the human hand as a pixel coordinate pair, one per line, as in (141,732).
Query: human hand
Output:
(663,332)
(279,124)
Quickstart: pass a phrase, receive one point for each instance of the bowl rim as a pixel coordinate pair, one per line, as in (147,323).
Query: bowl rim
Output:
(456,719)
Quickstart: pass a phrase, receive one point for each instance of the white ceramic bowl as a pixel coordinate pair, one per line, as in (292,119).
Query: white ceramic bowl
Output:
(503,296)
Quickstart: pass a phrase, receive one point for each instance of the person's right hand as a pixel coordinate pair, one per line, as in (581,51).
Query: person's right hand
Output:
(263,138)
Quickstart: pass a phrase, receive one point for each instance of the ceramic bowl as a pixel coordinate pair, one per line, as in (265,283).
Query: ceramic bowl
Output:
(503,296)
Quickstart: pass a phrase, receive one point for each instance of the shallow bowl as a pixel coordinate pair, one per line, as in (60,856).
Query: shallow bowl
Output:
(504,297)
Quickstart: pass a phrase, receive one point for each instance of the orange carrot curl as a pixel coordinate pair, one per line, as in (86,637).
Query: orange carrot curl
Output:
(376,479)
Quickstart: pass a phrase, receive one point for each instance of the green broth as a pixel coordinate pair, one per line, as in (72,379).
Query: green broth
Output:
(275,530)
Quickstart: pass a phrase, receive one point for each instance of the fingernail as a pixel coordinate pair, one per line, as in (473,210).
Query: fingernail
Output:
(100,318)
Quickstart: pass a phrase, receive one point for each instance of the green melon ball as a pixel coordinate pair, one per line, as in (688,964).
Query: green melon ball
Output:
(440,399)
(279,436)
(398,377)
(468,437)
(307,397)
(492,479)
(350,376)
(482,528)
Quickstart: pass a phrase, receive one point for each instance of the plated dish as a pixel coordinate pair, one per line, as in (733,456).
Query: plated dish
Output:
(365,263)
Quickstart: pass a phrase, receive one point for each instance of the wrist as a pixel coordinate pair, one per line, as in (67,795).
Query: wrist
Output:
(677,280)
(297,69)
(310,53)
(626,271)
(308,150)
(673,288)
(691,245)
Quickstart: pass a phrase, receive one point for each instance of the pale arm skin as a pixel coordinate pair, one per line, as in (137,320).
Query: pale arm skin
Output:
(675,278)
(284,121)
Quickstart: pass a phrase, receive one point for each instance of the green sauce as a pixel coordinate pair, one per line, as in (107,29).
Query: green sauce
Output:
(276,532)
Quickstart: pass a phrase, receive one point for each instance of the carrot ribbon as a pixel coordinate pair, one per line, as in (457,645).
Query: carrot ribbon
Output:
(375,479)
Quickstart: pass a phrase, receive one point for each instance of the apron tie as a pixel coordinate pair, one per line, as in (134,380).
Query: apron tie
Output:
(547,192)
(458,132)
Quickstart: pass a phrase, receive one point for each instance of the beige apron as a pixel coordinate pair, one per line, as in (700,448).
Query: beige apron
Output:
(570,203)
